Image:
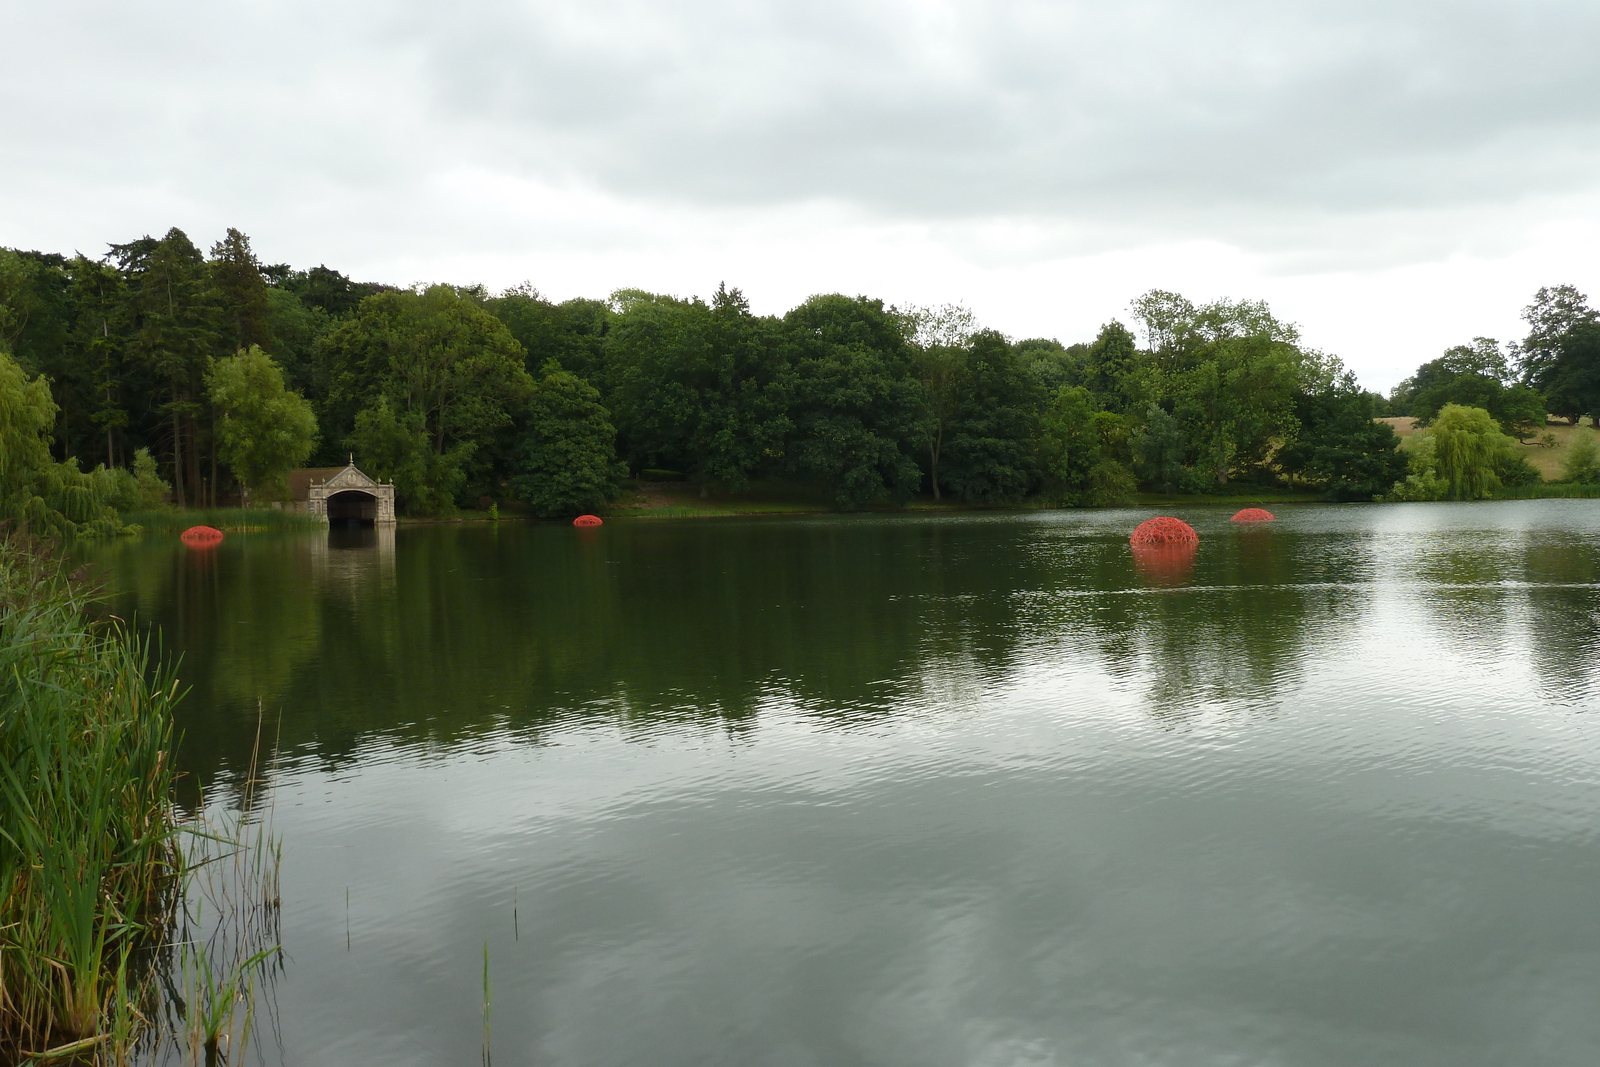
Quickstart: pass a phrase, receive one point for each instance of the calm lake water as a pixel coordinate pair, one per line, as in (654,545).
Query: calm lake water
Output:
(917,791)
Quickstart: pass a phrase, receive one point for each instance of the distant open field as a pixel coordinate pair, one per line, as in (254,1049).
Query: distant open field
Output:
(1546,460)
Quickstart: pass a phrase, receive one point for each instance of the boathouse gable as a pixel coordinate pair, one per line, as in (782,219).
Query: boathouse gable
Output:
(342,494)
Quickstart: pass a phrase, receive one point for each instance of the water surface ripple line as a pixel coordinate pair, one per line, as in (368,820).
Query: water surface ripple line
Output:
(1387,585)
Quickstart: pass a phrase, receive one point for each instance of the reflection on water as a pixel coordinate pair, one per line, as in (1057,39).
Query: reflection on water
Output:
(983,789)
(1170,564)
(353,556)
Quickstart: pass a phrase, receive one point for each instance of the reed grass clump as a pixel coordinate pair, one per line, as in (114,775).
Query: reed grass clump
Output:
(236,520)
(88,857)
(1549,490)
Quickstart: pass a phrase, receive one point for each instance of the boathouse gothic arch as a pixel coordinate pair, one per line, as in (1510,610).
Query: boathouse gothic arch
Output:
(349,495)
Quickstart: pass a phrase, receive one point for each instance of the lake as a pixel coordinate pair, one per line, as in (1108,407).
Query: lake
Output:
(914,790)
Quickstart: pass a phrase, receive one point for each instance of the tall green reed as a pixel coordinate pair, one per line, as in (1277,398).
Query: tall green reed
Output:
(88,860)
(174,520)
(228,938)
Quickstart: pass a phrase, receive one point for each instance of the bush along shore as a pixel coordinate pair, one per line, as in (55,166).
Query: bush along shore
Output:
(98,878)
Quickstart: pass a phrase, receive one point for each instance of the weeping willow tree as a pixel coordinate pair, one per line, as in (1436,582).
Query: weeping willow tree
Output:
(47,497)
(1467,450)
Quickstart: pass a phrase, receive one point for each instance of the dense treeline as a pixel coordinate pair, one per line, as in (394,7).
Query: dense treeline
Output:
(215,374)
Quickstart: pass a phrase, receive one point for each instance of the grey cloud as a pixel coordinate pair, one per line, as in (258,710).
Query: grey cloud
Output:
(1268,124)
(975,109)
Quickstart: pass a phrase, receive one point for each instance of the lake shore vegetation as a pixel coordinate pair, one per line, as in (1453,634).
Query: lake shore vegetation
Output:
(202,378)
(88,859)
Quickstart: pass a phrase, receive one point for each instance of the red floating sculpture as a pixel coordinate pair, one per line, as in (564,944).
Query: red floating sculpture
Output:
(1164,530)
(587,520)
(1254,515)
(201,537)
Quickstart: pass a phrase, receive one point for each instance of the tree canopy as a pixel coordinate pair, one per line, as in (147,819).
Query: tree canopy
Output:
(223,372)
(264,430)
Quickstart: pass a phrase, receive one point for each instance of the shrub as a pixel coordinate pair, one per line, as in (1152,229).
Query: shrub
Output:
(1582,464)
(1422,485)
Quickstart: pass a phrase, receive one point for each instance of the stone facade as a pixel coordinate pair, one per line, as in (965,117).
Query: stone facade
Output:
(346,493)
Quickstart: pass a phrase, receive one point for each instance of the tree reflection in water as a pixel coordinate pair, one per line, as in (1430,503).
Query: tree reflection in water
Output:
(437,634)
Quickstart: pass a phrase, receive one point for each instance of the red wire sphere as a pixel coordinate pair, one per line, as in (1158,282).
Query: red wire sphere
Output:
(587,520)
(201,537)
(1254,515)
(1164,530)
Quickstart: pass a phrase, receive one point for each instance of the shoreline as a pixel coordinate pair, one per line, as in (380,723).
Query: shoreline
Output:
(175,520)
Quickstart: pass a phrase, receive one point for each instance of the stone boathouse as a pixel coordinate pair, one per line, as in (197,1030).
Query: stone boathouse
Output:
(341,495)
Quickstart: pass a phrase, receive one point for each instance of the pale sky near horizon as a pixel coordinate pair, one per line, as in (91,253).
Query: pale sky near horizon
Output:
(1395,176)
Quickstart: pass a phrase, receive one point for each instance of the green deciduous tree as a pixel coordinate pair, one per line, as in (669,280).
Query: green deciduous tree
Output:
(568,452)
(1108,363)
(1051,363)
(1158,450)
(701,388)
(444,366)
(989,454)
(573,332)
(1340,447)
(1560,357)
(1473,375)
(395,446)
(264,430)
(1228,371)
(940,337)
(47,496)
(1236,403)
(1521,411)
(435,354)
(1080,450)
(857,404)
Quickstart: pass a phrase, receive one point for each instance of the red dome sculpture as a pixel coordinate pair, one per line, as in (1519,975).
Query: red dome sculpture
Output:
(1164,530)
(201,537)
(1254,515)
(587,520)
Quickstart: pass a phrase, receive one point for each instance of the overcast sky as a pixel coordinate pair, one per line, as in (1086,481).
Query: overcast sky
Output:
(1394,175)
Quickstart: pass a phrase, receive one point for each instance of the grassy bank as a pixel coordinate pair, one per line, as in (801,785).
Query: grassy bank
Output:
(1240,496)
(1548,491)
(682,500)
(233,520)
(88,859)
(1547,450)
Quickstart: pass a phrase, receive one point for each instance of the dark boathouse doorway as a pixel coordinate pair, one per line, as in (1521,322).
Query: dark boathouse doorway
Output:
(352,507)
